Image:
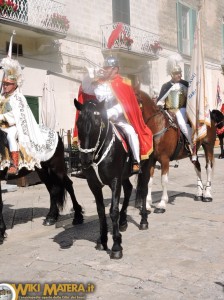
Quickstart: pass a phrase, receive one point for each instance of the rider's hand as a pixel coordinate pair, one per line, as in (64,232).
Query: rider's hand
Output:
(112,114)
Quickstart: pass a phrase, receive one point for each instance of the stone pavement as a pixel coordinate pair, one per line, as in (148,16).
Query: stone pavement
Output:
(180,256)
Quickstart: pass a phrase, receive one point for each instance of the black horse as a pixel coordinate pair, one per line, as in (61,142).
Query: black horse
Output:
(105,162)
(54,175)
(219,124)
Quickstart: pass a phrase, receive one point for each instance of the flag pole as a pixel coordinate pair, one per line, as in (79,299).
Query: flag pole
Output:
(8,55)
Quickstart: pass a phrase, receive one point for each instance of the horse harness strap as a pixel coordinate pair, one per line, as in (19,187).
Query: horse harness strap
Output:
(96,164)
(97,143)
(170,120)
(107,150)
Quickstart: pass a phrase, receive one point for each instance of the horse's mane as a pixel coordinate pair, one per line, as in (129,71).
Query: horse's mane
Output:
(217,115)
(145,99)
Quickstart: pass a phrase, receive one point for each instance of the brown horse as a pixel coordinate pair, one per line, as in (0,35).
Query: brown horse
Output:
(168,146)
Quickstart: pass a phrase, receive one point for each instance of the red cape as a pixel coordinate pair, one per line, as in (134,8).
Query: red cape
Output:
(126,97)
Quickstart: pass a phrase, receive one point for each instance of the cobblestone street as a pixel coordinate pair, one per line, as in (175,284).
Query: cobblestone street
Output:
(180,256)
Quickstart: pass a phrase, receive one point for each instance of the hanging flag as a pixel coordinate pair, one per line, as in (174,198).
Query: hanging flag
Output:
(218,98)
(10,44)
(197,100)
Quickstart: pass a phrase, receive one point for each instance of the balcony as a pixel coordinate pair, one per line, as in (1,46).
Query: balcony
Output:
(128,42)
(41,16)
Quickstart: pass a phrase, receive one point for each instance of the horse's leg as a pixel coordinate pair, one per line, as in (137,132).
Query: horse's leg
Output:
(2,223)
(98,194)
(53,213)
(142,191)
(149,196)
(161,207)
(78,216)
(116,250)
(127,187)
(199,195)
(209,155)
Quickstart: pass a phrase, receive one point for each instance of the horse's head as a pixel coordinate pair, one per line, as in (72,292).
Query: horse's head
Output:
(91,122)
(218,117)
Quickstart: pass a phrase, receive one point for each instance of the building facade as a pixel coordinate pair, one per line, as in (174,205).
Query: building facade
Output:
(56,41)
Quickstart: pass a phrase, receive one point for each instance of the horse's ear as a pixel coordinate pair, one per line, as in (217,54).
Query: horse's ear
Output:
(77,104)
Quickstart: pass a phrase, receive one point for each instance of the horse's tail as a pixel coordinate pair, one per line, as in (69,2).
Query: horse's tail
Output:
(58,175)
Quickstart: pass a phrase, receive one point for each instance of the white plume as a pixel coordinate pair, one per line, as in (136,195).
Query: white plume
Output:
(12,69)
(172,62)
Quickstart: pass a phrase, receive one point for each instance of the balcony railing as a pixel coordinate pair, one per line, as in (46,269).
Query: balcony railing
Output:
(40,14)
(126,37)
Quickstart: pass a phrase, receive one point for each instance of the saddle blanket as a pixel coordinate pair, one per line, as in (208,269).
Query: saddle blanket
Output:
(25,161)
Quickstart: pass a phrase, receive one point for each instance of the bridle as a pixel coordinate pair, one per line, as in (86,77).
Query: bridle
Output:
(171,123)
(96,150)
(98,139)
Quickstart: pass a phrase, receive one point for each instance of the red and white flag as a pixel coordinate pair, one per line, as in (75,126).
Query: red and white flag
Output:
(197,101)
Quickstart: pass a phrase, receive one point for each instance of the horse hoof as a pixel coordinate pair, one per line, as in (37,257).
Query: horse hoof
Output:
(49,222)
(1,240)
(198,198)
(143,226)
(158,210)
(207,199)
(78,220)
(123,227)
(116,254)
(100,247)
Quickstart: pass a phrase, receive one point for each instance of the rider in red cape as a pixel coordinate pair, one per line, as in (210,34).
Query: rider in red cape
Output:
(123,110)
(126,97)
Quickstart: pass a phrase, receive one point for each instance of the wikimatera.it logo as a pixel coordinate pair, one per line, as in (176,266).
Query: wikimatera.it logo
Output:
(17,291)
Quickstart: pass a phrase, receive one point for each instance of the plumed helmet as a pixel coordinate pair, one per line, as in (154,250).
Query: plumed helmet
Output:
(12,70)
(173,64)
(111,61)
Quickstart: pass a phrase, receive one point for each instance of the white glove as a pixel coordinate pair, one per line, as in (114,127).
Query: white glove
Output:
(112,113)
(160,103)
(2,118)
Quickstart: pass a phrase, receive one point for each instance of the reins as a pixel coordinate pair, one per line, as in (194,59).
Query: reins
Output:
(161,132)
(94,149)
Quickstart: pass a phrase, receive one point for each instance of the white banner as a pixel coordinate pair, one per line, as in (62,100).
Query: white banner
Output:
(197,102)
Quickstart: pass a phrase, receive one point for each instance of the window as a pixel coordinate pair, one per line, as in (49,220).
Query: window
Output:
(17,49)
(186,18)
(187,72)
(121,11)
(34,106)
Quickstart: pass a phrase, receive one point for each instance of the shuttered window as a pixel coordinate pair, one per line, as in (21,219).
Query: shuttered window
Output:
(186,21)
(34,106)
(121,11)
